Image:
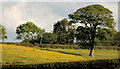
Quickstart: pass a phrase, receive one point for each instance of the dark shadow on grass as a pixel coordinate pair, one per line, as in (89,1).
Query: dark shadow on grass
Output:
(63,52)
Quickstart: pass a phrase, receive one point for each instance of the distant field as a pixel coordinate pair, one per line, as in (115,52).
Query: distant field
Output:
(14,54)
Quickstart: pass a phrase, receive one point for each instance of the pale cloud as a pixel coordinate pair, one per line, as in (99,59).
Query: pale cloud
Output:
(12,16)
(22,12)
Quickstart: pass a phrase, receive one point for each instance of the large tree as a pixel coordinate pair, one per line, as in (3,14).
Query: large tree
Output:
(29,32)
(92,17)
(2,33)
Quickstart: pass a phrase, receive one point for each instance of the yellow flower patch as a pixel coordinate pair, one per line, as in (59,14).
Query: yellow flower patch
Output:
(12,53)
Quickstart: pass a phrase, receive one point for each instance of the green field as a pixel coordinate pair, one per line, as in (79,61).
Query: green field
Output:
(29,55)
(99,54)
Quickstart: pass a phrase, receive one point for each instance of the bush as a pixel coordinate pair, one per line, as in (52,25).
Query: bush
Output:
(107,47)
(59,46)
(62,46)
(25,44)
(9,43)
(18,44)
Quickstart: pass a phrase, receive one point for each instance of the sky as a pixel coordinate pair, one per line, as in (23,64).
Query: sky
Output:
(44,14)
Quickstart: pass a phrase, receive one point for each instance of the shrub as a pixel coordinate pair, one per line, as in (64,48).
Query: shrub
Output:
(94,64)
(25,44)
(59,46)
(107,47)
(9,43)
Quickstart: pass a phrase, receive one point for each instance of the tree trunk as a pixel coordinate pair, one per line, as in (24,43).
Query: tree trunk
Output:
(41,40)
(91,51)
(92,44)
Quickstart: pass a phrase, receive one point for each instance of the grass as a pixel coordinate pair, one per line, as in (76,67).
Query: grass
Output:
(99,54)
(12,53)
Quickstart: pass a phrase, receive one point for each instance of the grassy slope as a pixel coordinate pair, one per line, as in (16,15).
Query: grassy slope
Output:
(11,53)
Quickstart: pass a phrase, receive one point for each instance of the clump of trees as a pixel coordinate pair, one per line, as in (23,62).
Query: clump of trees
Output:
(29,32)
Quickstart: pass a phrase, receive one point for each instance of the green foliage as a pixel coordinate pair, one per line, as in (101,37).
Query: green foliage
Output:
(62,38)
(105,34)
(2,33)
(29,32)
(59,46)
(85,46)
(49,38)
(61,26)
(94,64)
(97,21)
(64,46)
(64,32)
(107,47)
(117,38)
(82,34)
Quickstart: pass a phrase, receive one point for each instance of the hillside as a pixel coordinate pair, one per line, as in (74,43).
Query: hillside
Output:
(21,54)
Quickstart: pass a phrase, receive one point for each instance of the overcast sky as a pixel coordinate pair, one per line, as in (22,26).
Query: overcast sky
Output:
(43,14)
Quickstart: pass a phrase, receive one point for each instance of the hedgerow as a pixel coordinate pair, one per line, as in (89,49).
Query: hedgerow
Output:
(62,46)
(94,64)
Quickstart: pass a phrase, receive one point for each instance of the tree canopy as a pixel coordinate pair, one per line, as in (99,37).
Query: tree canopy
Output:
(49,38)
(29,32)
(64,31)
(117,38)
(2,33)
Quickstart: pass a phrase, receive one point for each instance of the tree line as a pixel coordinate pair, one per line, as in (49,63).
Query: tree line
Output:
(97,28)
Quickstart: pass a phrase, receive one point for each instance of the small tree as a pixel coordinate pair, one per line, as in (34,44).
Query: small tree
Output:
(2,33)
(92,18)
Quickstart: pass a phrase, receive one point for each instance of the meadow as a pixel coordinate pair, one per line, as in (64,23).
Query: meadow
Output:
(22,54)
(12,54)
(15,55)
